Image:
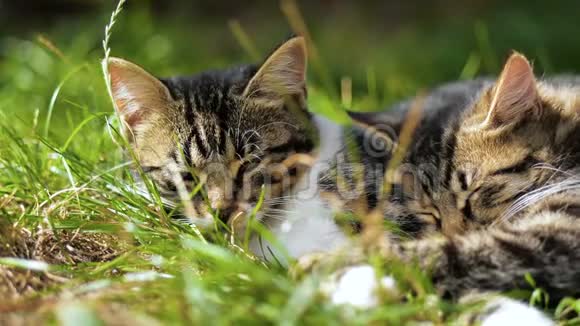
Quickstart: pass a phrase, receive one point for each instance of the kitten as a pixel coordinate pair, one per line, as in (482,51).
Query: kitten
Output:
(233,131)
(489,189)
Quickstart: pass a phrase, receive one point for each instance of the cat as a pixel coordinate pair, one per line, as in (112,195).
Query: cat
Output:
(493,183)
(489,187)
(233,131)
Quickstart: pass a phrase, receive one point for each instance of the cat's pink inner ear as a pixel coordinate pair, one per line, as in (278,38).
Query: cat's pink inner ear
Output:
(283,73)
(515,94)
(136,93)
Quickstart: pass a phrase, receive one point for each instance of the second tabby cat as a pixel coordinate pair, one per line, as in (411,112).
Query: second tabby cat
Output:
(489,189)
(487,195)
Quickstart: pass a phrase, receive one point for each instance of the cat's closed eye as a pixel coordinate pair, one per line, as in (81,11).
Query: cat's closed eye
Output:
(187,176)
(519,167)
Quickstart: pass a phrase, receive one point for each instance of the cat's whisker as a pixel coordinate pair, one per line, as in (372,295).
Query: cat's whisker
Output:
(245,105)
(248,134)
(278,122)
(275,217)
(550,167)
(540,194)
(278,211)
(248,146)
(276,202)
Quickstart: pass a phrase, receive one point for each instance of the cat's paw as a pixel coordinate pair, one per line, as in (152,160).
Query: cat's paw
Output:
(357,286)
(504,311)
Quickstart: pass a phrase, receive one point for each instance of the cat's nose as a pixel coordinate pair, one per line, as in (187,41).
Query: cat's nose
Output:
(452,223)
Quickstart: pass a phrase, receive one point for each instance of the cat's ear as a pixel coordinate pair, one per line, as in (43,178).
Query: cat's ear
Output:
(282,74)
(136,93)
(514,95)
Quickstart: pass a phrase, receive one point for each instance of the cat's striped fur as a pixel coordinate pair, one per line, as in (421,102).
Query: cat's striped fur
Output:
(232,130)
(489,189)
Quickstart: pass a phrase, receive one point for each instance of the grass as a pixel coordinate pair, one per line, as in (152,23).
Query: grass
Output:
(78,244)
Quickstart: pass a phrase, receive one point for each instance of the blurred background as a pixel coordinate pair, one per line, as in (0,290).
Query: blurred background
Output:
(389,49)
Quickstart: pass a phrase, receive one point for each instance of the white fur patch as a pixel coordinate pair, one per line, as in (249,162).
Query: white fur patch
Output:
(509,312)
(357,287)
(309,227)
(330,138)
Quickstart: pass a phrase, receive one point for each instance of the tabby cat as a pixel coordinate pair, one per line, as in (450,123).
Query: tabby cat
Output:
(233,131)
(489,189)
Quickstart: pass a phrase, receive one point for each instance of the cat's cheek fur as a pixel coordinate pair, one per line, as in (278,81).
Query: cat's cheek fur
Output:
(358,286)
(308,225)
